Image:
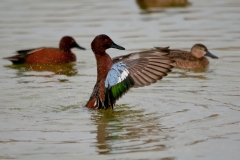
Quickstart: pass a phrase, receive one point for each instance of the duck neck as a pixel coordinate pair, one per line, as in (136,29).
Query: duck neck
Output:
(104,64)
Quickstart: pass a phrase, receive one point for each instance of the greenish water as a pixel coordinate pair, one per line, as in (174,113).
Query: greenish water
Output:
(187,115)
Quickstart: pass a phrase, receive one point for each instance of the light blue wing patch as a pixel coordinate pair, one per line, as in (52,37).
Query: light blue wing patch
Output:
(117,73)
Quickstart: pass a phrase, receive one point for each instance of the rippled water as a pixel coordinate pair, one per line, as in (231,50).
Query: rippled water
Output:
(187,115)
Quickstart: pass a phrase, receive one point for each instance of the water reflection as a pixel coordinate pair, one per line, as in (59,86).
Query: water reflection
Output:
(183,108)
(180,74)
(58,69)
(119,131)
(197,70)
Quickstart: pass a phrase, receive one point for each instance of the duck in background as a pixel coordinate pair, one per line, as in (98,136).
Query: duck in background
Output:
(151,4)
(47,55)
(195,59)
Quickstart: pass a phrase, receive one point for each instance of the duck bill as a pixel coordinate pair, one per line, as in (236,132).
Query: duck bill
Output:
(117,46)
(211,55)
(79,47)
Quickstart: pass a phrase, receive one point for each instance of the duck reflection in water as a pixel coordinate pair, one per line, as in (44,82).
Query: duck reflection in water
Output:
(68,69)
(118,131)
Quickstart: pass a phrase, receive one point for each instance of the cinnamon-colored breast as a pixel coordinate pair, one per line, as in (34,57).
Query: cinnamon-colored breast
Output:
(49,56)
(104,63)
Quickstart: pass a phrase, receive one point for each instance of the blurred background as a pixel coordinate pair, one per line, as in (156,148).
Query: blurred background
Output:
(187,115)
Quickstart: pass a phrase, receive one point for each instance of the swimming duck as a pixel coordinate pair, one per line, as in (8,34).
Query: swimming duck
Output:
(145,4)
(194,59)
(46,55)
(116,76)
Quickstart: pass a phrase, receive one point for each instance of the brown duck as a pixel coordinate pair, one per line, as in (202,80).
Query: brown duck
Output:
(195,59)
(47,55)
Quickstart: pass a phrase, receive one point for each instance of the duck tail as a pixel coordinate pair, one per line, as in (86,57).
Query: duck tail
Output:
(16,59)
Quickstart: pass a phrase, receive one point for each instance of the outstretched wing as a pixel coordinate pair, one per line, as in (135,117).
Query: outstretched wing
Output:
(147,67)
(155,51)
(135,70)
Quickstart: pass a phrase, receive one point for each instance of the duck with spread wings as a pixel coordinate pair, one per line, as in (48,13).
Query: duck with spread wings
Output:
(116,76)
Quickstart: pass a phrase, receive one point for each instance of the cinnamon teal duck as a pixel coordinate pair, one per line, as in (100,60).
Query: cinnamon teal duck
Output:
(116,76)
(46,55)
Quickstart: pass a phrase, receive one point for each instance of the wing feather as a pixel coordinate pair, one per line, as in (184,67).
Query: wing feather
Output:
(135,70)
(148,66)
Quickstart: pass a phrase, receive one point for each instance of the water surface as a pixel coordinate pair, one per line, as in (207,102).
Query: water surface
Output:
(187,115)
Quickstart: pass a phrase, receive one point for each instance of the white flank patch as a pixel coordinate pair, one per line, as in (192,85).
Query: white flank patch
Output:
(124,75)
(95,103)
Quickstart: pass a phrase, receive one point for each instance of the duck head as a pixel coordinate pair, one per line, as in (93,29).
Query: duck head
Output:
(103,42)
(199,51)
(67,42)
